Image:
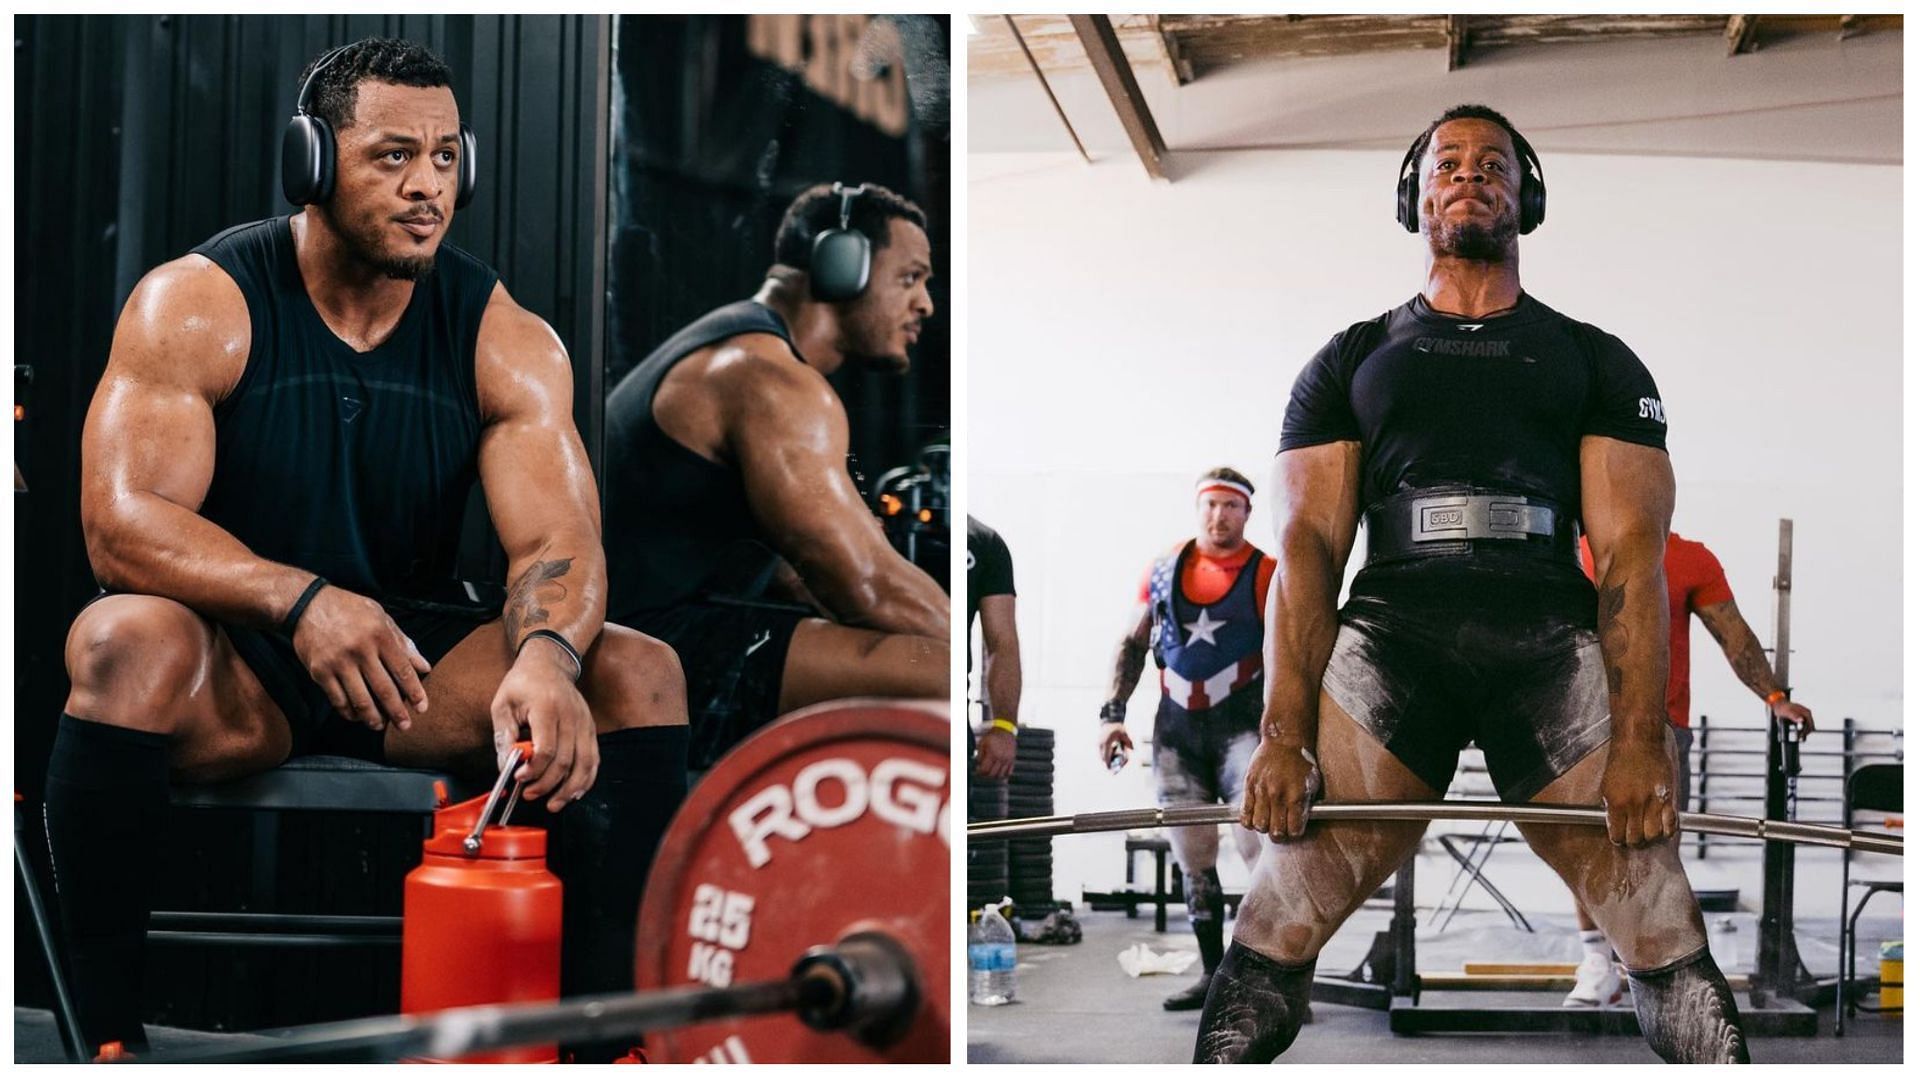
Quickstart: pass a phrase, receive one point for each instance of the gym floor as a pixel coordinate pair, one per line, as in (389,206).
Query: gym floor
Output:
(1075,1004)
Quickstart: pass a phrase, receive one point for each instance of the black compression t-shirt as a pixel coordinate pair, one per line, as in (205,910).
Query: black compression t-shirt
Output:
(989,572)
(1499,403)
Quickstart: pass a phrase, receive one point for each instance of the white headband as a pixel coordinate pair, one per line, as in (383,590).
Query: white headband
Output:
(1207,484)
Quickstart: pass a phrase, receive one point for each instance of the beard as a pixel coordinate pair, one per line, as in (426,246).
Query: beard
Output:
(364,245)
(865,344)
(1475,241)
(876,362)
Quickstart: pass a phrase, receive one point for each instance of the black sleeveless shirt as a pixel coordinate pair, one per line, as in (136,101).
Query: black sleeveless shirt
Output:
(355,466)
(678,525)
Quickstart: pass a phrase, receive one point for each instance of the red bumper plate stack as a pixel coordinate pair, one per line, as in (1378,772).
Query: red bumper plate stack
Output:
(831,820)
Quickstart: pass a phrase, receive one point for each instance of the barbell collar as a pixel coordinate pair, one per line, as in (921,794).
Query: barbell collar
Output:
(1446,810)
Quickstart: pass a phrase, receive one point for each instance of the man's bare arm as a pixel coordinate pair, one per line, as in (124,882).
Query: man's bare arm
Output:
(1316,515)
(1000,642)
(1131,657)
(788,432)
(1749,662)
(1626,504)
(539,486)
(147,457)
(541,494)
(1742,648)
(147,452)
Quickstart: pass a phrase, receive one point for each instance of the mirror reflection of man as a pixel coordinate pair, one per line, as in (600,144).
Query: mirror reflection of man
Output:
(1202,610)
(726,475)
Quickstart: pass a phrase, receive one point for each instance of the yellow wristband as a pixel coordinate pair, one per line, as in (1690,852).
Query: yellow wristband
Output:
(1005,725)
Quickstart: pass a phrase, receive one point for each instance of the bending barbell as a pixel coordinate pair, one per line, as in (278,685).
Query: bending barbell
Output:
(1800,833)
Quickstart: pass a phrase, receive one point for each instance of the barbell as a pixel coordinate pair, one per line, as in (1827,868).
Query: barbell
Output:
(830,825)
(1214,814)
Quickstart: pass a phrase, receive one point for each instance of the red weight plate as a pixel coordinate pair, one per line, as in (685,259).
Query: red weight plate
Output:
(831,820)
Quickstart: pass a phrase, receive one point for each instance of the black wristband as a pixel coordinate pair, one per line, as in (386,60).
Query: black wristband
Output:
(1114,712)
(572,653)
(299,608)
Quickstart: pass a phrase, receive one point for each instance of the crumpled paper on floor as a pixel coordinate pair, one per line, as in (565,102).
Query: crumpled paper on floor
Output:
(1137,960)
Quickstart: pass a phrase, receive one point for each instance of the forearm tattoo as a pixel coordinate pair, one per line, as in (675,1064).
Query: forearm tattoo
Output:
(531,599)
(1127,668)
(1750,664)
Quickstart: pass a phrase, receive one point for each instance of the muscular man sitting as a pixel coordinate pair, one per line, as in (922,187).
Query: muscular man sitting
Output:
(1472,426)
(726,448)
(273,473)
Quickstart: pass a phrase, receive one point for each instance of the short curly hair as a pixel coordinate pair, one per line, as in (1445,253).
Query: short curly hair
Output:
(336,93)
(1472,112)
(818,209)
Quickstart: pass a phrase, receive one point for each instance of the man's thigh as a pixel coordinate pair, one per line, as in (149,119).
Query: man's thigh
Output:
(1639,896)
(1304,889)
(827,661)
(456,731)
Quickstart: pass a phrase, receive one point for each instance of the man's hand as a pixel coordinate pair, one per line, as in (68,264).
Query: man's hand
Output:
(993,754)
(368,669)
(1113,735)
(538,694)
(1637,792)
(1281,780)
(1788,710)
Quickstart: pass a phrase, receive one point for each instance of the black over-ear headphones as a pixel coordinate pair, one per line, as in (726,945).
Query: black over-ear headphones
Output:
(1533,184)
(307,154)
(842,258)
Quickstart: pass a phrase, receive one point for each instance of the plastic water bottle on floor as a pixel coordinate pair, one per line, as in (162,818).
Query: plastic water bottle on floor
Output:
(990,958)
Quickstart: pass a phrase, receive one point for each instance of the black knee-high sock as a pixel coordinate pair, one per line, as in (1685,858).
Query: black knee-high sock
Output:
(1687,1011)
(1255,1006)
(607,841)
(1207,912)
(105,814)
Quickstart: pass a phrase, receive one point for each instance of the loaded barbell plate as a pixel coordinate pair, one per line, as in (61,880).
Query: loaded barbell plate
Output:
(831,820)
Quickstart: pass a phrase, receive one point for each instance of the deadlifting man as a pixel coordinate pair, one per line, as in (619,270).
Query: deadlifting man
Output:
(1201,612)
(1471,427)
(727,472)
(274,469)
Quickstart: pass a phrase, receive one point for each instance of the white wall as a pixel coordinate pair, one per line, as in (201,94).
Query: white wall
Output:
(1126,335)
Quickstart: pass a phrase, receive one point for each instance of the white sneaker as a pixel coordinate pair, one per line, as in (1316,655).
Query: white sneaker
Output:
(1596,984)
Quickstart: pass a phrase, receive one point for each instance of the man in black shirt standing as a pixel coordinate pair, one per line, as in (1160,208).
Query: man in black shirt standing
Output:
(1476,431)
(990,599)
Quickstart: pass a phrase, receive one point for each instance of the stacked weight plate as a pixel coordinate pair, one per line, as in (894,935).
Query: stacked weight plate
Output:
(1030,795)
(986,860)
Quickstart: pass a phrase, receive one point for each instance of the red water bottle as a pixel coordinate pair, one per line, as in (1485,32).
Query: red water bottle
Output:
(481,923)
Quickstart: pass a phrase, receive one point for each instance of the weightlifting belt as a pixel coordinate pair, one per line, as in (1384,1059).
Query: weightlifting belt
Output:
(1426,522)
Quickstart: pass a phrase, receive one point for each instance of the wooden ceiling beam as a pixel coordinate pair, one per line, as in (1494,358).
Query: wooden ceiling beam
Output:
(1743,32)
(1047,87)
(1456,42)
(1116,77)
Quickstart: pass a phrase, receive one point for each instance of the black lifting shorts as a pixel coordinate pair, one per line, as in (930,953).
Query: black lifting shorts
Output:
(1529,688)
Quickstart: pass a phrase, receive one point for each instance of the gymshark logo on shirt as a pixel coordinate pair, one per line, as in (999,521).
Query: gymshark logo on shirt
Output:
(353,407)
(1449,347)
(1469,326)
